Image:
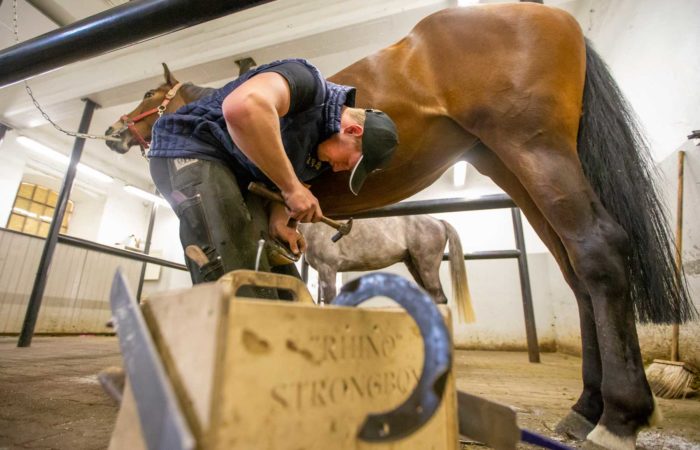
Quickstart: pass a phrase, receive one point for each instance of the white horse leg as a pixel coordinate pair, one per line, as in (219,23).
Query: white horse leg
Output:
(326,284)
(426,244)
(428,272)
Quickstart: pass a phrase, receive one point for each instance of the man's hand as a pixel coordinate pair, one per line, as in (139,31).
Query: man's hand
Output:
(280,230)
(302,204)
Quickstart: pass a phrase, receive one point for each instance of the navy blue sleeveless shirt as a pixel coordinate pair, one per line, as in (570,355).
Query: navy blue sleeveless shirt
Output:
(198,129)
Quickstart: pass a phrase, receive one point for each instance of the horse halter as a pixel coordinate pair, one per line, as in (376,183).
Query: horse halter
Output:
(130,122)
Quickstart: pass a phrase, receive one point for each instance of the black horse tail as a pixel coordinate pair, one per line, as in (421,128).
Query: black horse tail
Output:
(616,160)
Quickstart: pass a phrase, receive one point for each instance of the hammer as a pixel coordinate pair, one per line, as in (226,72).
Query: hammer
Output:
(261,190)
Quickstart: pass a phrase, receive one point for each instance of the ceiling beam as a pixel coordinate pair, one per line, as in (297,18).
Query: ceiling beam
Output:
(53,12)
(123,25)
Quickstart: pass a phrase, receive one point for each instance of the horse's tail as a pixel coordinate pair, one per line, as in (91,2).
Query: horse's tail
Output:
(616,159)
(458,273)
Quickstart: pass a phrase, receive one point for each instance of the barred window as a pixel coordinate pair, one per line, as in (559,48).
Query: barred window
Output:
(33,210)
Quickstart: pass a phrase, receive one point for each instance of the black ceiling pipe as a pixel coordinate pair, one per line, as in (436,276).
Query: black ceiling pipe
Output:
(115,28)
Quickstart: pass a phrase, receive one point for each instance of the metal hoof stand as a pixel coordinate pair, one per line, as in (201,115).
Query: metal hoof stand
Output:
(208,368)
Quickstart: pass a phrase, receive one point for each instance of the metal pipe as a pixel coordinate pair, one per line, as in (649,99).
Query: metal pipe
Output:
(533,350)
(114,28)
(146,249)
(88,245)
(490,254)
(25,337)
(443,205)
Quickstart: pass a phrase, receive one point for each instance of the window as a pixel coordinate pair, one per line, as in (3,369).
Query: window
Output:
(33,210)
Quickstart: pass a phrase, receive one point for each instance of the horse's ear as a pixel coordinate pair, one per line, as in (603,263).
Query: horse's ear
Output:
(169,78)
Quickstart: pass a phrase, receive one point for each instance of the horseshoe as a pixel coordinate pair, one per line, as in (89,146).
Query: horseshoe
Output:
(425,398)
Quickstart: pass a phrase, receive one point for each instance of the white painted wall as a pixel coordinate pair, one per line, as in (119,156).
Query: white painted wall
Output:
(652,49)
(18,164)
(12,164)
(123,216)
(103,213)
(165,244)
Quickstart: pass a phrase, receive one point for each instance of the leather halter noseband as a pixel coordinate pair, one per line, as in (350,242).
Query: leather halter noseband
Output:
(130,122)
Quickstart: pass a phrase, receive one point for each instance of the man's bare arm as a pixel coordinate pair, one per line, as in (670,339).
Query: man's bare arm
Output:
(252,113)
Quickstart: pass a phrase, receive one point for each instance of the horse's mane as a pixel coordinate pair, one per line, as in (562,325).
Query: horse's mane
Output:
(196,92)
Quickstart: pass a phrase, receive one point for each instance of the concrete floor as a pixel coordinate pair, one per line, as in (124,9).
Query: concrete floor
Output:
(50,397)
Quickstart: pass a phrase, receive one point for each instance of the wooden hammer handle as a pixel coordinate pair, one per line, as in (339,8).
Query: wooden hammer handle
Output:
(261,190)
(331,222)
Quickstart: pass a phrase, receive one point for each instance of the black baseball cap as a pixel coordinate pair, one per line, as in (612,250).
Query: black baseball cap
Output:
(379,140)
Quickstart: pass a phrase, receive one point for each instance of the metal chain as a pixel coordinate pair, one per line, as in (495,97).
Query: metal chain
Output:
(38,106)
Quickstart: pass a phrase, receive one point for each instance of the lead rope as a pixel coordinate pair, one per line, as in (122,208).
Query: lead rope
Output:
(36,103)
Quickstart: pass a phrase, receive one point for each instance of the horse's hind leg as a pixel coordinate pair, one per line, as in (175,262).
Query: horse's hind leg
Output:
(326,284)
(587,410)
(546,163)
(427,279)
(426,244)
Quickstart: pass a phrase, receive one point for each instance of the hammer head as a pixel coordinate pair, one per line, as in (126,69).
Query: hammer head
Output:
(343,229)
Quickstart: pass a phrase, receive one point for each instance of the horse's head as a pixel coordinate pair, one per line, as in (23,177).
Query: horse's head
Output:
(134,128)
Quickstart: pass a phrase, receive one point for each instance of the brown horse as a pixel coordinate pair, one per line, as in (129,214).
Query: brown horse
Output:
(417,241)
(516,90)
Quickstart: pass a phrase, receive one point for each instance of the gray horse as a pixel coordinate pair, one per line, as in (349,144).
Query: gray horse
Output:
(417,241)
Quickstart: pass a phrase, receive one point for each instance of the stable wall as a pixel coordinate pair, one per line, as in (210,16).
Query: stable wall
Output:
(76,297)
(652,49)
(103,212)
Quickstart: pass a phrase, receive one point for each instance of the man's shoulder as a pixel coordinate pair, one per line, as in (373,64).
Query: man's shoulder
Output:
(303,61)
(296,62)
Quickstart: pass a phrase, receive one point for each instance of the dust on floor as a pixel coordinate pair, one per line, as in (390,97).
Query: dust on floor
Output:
(50,396)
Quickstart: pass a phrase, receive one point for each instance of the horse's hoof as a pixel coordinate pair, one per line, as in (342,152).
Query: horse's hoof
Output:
(603,438)
(574,426)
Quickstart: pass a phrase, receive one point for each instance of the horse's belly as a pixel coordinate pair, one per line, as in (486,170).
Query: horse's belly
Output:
(373,244)
(376,260)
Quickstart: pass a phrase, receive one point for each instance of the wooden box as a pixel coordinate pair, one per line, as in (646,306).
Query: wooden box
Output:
(260,374)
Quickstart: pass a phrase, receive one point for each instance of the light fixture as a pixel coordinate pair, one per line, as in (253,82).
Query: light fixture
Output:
(146,195)
(53,155)
(459,173)
(42,150)
(94,173)
(24,212)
